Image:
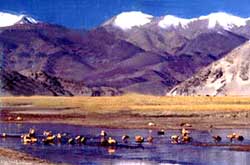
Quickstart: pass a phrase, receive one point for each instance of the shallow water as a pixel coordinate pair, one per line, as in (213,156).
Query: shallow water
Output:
(160,152)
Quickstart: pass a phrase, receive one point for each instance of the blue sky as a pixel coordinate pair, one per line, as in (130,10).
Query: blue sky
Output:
(91,13)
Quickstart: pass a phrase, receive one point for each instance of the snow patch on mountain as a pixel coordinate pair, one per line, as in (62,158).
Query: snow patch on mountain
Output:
(170,20)
(7,19)
(225,20)
(127,20)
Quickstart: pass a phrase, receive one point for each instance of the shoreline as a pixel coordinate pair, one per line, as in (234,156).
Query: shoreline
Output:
(223,120)
(12,157)
(238,126)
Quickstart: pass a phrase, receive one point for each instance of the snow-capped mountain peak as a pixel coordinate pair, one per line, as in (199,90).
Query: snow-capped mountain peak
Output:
(7,19)
(127,20)
(224,20)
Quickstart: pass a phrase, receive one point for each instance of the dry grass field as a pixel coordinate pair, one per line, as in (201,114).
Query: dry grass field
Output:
(131,110)
(134,102)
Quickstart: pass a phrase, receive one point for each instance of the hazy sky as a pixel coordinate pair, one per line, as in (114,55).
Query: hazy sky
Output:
(91,13)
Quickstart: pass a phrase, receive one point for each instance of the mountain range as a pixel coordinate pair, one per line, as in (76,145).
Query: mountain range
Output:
(131,52)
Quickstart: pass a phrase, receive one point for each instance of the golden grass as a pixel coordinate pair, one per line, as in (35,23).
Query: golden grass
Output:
(135,102)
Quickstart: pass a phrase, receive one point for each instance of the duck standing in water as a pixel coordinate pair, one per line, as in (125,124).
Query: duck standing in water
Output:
(49,137)
(29,137)
(139,139)
(32,132)
(240,138)
(104,141)
(161,132)
(59,138)
(47,133)
(150,139)
(217,138)
(103,133)
(4,135)
(71,141)
(186,139)
(112,141)
(80,139)
(232,136)
(184,132)
(125,138)
(174,139)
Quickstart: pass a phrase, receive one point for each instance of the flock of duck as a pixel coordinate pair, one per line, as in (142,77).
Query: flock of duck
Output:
(104,140)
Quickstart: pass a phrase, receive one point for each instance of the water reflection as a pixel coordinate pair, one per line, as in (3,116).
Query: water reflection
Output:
(161,151)
(134,162)
(111,150)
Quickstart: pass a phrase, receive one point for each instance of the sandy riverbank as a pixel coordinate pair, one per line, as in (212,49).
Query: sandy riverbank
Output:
(11,157)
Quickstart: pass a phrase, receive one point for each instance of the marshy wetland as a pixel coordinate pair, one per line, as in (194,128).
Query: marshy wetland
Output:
(132,115)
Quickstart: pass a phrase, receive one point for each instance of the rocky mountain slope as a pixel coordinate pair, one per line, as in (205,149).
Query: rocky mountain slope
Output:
(227,76)
(148,55)
(13,83)
(39,83)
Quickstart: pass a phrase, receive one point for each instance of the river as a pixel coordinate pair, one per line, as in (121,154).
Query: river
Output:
(161,151)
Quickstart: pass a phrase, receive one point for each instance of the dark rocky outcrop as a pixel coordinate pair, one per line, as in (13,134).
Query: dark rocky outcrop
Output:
(227,76)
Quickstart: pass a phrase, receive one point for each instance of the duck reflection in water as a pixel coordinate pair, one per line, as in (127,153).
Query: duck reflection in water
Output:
(111,150)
